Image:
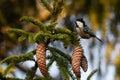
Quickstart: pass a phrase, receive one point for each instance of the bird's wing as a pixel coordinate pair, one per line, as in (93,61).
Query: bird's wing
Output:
(88,31)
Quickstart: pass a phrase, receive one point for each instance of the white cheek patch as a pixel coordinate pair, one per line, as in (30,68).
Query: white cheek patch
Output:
(80,24)
(78,30)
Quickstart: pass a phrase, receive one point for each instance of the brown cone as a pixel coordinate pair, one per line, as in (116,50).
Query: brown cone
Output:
(41,58)
(84,63)
(76,60)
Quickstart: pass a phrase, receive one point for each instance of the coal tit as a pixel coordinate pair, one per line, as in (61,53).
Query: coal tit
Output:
(83,30)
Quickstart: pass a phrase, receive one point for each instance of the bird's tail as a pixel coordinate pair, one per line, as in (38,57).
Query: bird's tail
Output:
(99,39)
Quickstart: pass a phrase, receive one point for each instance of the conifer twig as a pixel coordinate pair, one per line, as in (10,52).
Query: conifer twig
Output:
(17,31)
(91,74)
(63,67)
(63,30)
(18,58)
(71,75)
(66,56)
(35,22)
(8,68)
(57,8)
(31,73)
(46,4)
(50,63)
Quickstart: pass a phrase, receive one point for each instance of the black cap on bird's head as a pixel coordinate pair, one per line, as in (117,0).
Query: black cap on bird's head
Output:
(81,20)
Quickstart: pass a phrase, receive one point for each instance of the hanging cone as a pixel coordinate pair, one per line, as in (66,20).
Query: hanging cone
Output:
(41,58)
(76,60)
(84,63)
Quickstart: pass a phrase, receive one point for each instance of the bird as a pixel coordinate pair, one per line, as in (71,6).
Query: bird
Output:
(84,31)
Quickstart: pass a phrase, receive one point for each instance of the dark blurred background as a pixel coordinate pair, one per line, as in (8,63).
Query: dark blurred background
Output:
(103,16)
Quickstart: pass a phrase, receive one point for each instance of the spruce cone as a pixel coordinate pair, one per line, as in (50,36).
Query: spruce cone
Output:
(84,63)
(76,60)
(41,58)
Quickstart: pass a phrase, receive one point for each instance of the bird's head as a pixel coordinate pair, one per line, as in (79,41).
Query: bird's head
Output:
(80,22)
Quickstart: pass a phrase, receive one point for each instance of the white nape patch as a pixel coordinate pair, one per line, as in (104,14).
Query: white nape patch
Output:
(80,24)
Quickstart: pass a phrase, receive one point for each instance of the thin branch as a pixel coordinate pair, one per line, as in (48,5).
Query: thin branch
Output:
(46,4)
(66,56)
(8,68)
(91,74)
(35,22)
(50,63)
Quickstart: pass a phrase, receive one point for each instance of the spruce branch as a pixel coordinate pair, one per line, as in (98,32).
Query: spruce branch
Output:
(2,77)
(18,58)
(61,37)
(22,37)
(8,68)
(73,37)
(61,60)
(57,8)
(48,35)
(46,4)
(52,25)
(71,75)
(63,30)
(31,73)
(22,34)
(62,54)
(63,67)
(31,37)
(49,56)
(50,62)
(12,79)
(17,31)
(91,74)
(35,22)
(40,36)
